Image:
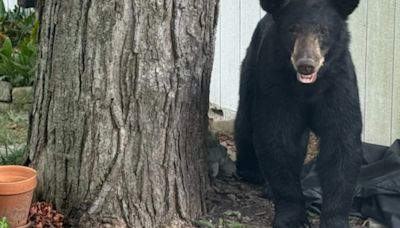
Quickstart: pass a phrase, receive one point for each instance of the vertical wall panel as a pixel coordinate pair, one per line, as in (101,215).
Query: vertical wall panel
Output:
(230,53)
(358,48)
(215,84)
(10,4)
(396,77)
(379,71)
(248,22)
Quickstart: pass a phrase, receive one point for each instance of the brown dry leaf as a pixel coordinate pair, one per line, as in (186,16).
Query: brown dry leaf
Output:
(39,225)
(12,126)
(43,214)
(226,139)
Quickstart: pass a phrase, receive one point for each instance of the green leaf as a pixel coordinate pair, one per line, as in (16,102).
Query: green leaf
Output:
(236,225)
(233,213)
(18,47)
(3,221)
(27,50)
(2,9)
(206,223)
(7,48)
(221,222)
(35,30)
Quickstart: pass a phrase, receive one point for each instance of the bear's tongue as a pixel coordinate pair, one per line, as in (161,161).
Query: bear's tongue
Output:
(307,79)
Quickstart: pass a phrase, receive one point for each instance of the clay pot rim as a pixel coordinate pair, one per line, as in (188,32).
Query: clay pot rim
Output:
(18,187)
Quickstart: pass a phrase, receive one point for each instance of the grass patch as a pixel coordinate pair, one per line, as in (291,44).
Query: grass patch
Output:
(13,156)
(13,128)
(13,136)
(229,219)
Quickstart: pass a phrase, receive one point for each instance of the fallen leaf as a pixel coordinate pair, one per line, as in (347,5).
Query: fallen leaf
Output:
(12,126)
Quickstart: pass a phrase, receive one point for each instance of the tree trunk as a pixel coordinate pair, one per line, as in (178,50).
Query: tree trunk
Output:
(120,115)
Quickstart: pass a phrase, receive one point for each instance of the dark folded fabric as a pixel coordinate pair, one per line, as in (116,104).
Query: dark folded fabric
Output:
(378,189)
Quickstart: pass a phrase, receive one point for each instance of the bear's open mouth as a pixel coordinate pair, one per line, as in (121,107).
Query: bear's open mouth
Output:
(307,79)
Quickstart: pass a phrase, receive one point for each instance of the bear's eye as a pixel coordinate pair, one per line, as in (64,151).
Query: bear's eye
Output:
(323,31)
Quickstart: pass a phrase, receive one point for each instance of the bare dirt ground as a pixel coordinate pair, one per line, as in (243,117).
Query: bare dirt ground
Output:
(239,205)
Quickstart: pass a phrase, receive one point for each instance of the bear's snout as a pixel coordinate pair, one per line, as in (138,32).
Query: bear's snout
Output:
(307,57)
(306,66)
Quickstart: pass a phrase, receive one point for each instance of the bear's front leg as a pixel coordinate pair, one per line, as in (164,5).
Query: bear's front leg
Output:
(338,123)
(280,140)
(338,166)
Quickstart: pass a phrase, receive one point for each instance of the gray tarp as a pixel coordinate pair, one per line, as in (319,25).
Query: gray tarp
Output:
(378,189)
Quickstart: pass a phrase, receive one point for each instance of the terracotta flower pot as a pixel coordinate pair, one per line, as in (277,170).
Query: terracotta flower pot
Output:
(16,190)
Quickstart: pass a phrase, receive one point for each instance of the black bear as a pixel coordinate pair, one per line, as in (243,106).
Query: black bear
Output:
(298,76)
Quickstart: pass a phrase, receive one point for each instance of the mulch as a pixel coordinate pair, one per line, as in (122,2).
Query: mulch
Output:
(43,214)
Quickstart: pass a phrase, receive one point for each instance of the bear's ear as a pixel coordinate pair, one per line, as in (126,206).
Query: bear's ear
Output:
(345,7)
(272,6)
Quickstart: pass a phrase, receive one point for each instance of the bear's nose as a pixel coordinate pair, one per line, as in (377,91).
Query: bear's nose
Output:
(305,67)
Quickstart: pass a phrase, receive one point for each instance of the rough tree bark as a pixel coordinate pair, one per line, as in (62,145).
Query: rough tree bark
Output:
(120,113)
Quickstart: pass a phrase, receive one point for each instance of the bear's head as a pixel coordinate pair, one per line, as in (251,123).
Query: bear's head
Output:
(309,29)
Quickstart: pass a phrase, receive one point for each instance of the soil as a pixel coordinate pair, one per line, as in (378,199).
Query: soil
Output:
(236,204)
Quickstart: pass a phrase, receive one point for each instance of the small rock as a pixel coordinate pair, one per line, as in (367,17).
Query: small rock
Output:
(218,161)
(27,107)
(232,197)
(375,224)
(223,126)
(5,91)
(4,107)
(22,95)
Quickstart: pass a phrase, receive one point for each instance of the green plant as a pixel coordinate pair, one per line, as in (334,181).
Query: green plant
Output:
(17,65)
(3,221)
(205,223)
(13,116)
(16,24)
(5,139)
(13,156)
(236,225)
(233,213)
(18,46)
(2,8)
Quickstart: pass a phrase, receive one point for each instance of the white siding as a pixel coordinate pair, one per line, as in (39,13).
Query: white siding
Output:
(230,51)
(10,4)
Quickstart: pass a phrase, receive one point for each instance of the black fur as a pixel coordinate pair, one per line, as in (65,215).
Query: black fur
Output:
(276,112)
(272,6)
(345,7)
